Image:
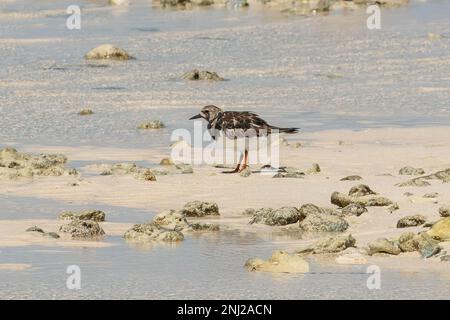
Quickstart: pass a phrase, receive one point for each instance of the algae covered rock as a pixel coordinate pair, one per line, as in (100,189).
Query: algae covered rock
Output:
(289,172)
(277,217)
(352,178)
(411,221)
(354,209)
(417,182)
(440,230)
(315,168)
(280,262)
(94,215)
(151,124)
(14,164)
(200,209)
(152,232)
(171,219)
(35,229)
(83,229)
(343,200)
(196,75)
(320,222)
(410,171)
(360,190)
(204,227)
(444,211)
(331,245)
(383,245)
(107,51)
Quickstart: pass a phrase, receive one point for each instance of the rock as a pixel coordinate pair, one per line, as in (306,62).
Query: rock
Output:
(410,171)
(319,222)
(83,229)
(331,245)
(280,262)
(249,212)
(14,165)
(354,209)
(315,168)
(408,194)
(205,227)
(278,217)
(171,219)
(393,207)
(443,175)
(429,224)
(94,215)
(434,36)
(145,174)
(73,172)
(107,51)
(34,229)
(444,211)
(52,235)
(352,178)
(411,221)
(140,173)
(440,230)
(200,209)
(431,195)
(202,75)
(355,258)
(166,162)
(343,200)
(417,182)
(427,246)
(185,168)
(245,173)
(360,190)
(152,232)
(445,258)
(86,112)
(289,172)
(407,242)
(152,124)
(383,245)
(310,208)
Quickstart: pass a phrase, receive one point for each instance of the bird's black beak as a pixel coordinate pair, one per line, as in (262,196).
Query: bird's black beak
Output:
(195,117)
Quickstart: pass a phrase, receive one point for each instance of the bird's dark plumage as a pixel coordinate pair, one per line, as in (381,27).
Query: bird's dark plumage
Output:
(237,124)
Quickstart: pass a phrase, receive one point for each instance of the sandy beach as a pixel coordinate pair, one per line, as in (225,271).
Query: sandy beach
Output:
(368,104)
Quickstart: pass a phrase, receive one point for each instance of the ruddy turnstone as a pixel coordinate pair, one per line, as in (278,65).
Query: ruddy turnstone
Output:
(237,124)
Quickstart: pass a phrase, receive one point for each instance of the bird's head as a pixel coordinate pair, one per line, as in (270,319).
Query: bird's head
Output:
(208,113)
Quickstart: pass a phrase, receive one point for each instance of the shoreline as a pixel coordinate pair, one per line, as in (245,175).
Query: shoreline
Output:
(371,153)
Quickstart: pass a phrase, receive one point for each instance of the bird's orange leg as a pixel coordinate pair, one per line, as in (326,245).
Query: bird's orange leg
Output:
(235,170)
(245,165)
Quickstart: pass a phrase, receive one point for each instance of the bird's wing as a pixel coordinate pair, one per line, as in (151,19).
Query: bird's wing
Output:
(243,123)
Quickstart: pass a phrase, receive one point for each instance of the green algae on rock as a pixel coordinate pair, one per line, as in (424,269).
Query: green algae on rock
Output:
(107,51)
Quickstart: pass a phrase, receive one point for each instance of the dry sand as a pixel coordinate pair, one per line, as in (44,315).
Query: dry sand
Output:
(371,153)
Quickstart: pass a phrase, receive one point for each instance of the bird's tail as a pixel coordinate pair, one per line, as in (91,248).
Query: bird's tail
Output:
(287,130)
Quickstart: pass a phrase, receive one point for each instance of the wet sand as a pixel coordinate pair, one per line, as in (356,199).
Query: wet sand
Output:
(368,103)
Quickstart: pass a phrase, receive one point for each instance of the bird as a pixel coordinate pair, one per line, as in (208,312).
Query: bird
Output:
(237,124)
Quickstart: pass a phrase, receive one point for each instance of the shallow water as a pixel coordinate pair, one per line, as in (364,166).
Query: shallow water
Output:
(208,265)
(316,73)
(312,72)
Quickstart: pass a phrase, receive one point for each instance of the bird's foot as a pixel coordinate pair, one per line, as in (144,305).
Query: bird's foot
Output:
(243,168)
(235,170)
